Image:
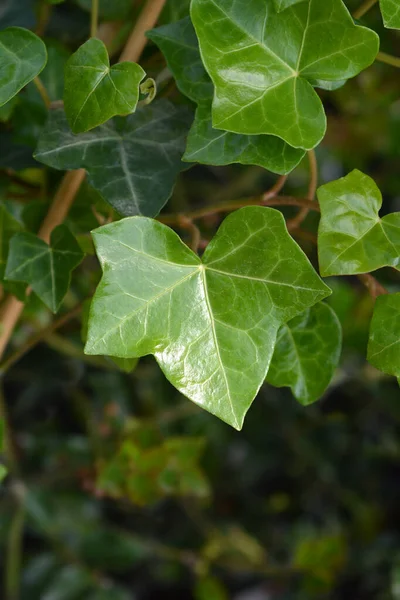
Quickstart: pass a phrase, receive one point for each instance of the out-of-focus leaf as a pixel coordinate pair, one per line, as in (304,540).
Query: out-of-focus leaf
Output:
(69,583)
(7,109)
(351,237)
(384,336)
(20,14)
(210,588)
(22,56)
(95,92)
(46,268)
(133,162)
(15,155)
(8,227)
(307,353)
(320,556)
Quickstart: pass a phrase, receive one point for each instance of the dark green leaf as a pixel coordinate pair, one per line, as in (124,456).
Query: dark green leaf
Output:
(95,92)
(261,63)
(205,144)
(46,268)
(384,335)
(22,56)
(307,353)
(19,13)
(132,162)
(211,325)
(351,237)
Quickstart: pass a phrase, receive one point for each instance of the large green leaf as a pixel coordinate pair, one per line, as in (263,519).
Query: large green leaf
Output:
(95,92)
(211,324)
(8,227)
(262,62)
(46,268)
(307,353)
(132,162)
(384,335)
(351,237)
(205,144)
(391,13)
(282,4)
(22,57)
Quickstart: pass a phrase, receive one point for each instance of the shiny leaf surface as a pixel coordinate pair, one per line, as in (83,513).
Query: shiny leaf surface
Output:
(384,335)
(205,144)
(95,92)
(307,353)
(262,61)
(351,237)
(46,268)
(132,162)
(211,324)
(22,57)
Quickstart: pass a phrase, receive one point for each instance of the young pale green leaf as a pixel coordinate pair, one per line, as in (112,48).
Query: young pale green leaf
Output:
(95,92)
(46,268)
(22,57)
(132,162)
(351,237)
(384,335)
(211,324)
(307,353)
(391,13)
(262,62)
(205,144)
(8,227)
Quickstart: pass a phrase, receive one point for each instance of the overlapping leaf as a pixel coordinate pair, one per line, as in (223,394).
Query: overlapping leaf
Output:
(351,237)
(205,144)
(94,91)
(262,62)
(132,162)
(384,336)
(307,353)
(391,13)
(211,324)
(22,57)
(46,268)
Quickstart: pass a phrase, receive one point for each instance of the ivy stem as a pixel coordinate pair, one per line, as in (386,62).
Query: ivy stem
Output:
(388,59)
(373,286)
(94,18)
(42,91)
(187,223)
(312,189)
(364,8)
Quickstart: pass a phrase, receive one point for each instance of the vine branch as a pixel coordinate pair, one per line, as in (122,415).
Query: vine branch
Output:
(388,59)
(312,190)
(364,8)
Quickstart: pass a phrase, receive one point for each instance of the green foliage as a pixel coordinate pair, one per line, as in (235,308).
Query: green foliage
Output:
(94,91)
(390,13)
(211,324)
(384,336)
(8,227)
(46,268)
(23,56)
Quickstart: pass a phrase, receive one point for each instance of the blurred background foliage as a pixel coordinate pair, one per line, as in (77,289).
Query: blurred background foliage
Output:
(121,489)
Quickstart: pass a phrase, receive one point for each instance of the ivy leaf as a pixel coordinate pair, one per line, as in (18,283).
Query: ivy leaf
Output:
(211,324)
(391,13)
(8,227)
(22,57)
(262,81)
(282,4)
(205,144)
(46,268)
(384,335)
(133,162)
(307,353)
(351,237)
(95,92)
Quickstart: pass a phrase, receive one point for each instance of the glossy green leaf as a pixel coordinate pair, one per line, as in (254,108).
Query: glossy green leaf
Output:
(211,324)
(46,268)
(132,162)
(282,4)
(22,57)
(351,237)
(95,92)
(8,227)
(307,353)
(205,144)
(391,13)
(261,63)
(384,335)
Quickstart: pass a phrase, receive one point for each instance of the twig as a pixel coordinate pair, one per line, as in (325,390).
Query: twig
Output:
(275,189)
(186,223)
(94,18)
(295,223)
(364,8)
(388,59)
(72,181)
(373,286)
(42,91)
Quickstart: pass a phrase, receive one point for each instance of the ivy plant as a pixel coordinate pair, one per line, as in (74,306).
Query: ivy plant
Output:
(227,295)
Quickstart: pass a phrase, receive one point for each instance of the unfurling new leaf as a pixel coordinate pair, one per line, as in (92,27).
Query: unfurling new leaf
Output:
(210,323)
